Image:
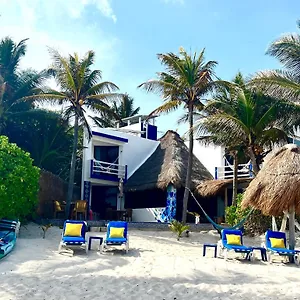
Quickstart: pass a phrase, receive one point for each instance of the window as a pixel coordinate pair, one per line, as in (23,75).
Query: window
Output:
(108,154)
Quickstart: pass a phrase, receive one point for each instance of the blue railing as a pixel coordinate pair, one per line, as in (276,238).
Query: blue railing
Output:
(108,171)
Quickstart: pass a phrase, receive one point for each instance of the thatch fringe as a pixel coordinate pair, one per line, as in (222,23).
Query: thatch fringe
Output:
(276,187)
(210,188)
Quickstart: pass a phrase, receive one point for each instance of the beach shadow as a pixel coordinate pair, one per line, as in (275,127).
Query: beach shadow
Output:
(199,285)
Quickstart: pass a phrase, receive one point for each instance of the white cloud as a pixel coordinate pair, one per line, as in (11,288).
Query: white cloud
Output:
(20,20)
(105,7)
(32,9)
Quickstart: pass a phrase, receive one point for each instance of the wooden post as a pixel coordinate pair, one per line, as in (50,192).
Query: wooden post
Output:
(292,240)
(283,223)
(292,228)
(274,224)
(226,199)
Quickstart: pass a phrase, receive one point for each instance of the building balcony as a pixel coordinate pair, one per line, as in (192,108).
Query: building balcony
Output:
(226,172)
(108,171)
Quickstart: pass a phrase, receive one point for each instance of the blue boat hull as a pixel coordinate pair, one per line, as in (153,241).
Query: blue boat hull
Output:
(8,243)
(8,236)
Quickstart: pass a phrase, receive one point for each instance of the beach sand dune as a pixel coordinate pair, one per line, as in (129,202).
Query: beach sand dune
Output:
(156,267)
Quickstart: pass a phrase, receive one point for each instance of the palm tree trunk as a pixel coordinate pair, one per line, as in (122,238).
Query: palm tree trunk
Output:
(255,166)
(72,168)
(189,167)
(235,178)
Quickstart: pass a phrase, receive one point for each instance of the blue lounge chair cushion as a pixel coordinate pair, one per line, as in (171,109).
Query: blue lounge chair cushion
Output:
(242,248)
(283,251)
(73,240)
(116,240)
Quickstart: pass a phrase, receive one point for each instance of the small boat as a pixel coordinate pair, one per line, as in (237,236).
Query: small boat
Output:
(8,235)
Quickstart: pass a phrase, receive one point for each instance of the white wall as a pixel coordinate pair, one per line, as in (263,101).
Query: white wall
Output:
(210,156)
(133,154)
(142,215)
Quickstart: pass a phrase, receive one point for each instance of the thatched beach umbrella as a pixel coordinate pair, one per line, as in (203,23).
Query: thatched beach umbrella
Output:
(276,188)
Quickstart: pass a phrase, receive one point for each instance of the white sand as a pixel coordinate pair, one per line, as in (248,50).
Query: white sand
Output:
(156,267)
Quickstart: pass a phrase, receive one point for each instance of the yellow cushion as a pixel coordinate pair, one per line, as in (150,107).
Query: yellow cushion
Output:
(116,232)
(277,243)
(73,229)
(233,239)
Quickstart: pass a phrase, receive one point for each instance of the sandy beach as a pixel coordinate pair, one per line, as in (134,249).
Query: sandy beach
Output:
(156,267)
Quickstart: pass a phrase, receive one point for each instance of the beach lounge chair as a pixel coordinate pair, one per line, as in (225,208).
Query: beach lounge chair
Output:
(117,235)
(73,235)
(276,245)
(232,240)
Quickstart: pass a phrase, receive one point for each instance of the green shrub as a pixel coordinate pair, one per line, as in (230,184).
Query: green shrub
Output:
(178,228)
(19,181)
(234,214)
(255,224)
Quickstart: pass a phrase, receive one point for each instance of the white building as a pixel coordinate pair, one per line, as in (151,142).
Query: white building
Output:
(112,155)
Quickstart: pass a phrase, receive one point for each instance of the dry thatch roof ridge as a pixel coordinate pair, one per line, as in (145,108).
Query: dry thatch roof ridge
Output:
(209,188)
(276,187)
(167,165)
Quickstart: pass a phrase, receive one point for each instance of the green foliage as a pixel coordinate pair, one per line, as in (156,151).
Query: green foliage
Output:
(178,228)
(118,111)
(19,181)
(285,83)
(234,214)
(256,223)
(14,83)
(247,120)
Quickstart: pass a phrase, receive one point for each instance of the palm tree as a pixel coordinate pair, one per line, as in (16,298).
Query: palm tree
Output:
(284,84)
(242,119)
(10,56)
(119,111)
(46,136)
(15,84)
(80,92)
(186,81)
(126,108)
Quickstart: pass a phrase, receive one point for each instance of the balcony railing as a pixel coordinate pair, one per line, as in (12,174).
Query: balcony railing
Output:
(108,171)
(226,172)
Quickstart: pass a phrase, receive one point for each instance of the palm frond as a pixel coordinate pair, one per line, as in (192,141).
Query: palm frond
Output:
(107,97)
(63,72)
(287,50)
(165,108)
(157,86)
(279,84)
(103,87)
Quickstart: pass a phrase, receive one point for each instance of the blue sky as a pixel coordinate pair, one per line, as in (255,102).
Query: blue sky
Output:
(127,34)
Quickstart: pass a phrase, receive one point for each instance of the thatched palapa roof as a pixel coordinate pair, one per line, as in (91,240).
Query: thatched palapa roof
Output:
(276,188)
(167,165)
(213,187)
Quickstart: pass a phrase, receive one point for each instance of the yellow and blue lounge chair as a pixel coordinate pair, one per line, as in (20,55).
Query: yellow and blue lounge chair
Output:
(73,235)
(117,235)
(232,240)
(276,245)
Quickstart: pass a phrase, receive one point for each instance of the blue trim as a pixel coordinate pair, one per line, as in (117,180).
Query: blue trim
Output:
(108,177)
(109,136)
(216,173)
